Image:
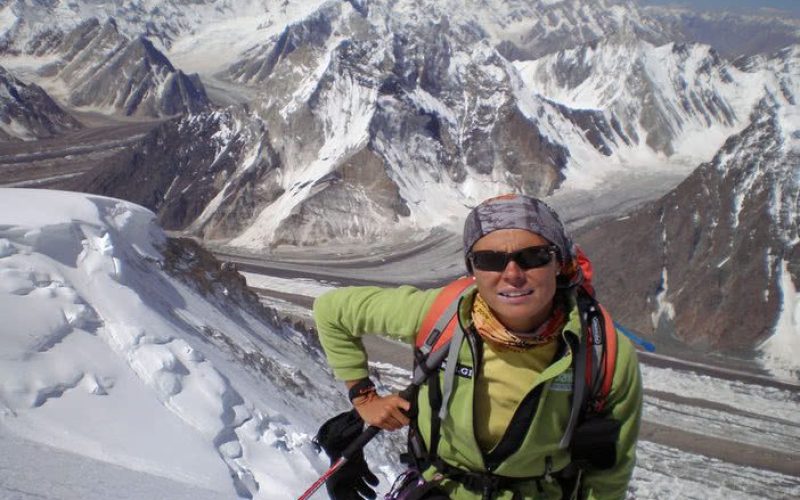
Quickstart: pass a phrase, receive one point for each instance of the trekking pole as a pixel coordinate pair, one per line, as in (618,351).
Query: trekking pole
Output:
(361,441)
(421,373)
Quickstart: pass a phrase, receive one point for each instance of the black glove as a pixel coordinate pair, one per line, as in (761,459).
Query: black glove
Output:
(353,480)
(594,443)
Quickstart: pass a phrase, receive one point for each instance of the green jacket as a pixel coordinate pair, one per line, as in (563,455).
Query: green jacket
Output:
(344,315)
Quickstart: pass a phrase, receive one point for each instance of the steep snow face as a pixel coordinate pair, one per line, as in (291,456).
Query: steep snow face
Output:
(679,101)
(121,346)
(28,113)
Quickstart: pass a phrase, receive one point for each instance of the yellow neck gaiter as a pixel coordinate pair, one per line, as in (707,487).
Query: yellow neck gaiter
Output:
(494,332)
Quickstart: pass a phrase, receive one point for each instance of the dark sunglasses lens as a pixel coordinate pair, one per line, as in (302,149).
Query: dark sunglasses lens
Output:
(489,261)
(529,258)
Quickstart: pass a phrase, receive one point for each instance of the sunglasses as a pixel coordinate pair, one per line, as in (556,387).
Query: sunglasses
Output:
(526,258)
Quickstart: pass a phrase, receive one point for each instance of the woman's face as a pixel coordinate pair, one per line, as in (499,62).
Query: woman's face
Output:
(521,299)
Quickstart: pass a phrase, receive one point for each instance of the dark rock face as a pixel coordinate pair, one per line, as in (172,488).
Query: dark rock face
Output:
(181,166)
(711,250)
(27,112)
(149,84)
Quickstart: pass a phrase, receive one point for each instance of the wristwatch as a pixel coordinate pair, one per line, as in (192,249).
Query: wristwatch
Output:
(361,388)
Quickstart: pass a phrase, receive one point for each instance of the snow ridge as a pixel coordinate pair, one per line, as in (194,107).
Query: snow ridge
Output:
(98,338)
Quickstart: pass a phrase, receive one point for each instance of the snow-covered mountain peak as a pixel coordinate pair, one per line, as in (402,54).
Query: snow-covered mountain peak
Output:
(662,97)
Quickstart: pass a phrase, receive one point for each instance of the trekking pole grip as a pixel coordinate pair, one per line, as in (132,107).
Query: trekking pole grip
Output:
(361,441)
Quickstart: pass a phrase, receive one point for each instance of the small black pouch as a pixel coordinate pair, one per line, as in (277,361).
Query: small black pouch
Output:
(594,443)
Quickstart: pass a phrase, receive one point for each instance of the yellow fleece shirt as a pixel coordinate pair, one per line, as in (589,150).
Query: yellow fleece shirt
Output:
(504,379)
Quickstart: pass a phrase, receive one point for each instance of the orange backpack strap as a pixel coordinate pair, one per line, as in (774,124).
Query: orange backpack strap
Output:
(442,318)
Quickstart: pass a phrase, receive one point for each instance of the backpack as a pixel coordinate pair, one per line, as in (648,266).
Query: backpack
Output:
(590,437)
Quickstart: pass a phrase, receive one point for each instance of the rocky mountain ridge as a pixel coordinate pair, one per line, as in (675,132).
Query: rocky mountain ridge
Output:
(94,66)
(710,258)
(653,96)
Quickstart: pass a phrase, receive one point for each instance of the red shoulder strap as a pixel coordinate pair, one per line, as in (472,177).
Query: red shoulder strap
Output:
(441,303)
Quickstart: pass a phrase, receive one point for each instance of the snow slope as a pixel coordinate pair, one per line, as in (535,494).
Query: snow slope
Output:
(106,355)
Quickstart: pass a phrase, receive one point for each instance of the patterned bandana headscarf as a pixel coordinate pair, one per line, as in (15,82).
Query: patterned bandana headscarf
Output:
(517,211)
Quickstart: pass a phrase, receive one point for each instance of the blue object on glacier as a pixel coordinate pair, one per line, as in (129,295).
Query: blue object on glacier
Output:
(646,345)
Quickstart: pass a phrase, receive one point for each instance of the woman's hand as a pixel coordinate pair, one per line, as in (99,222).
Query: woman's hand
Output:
(386,412)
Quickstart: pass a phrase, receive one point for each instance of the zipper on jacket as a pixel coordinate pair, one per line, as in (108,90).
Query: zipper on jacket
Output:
(521,422)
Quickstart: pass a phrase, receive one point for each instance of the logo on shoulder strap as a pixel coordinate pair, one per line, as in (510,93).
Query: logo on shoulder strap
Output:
(563,382)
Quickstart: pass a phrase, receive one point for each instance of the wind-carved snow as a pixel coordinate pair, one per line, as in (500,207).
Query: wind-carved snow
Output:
(105,355)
